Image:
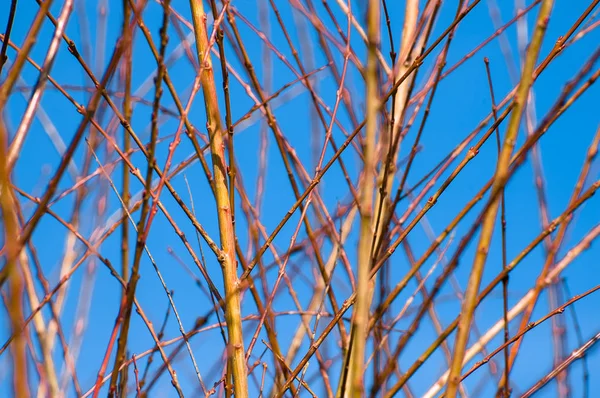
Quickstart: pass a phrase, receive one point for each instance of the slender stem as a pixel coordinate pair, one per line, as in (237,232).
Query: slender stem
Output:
(10,272)
(127,112)
(506,392)
(227,257)
(144,221)
(500,179)
(354,383)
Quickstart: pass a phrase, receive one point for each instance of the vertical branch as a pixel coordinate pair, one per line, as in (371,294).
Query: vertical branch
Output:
(500,179)
(360,317)
(10,272)
(506,390)
(228,121)
(142,230)
(126,70)
(127,112)
(388,144)
(227,258)
(9,24)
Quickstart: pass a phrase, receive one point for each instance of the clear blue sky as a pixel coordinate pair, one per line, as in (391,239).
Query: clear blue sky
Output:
(462,101)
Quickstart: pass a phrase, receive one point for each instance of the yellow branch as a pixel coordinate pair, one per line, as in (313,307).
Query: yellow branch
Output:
(489,221)
(237,363)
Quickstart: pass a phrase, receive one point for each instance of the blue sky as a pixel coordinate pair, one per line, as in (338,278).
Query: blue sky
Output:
(462,101)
